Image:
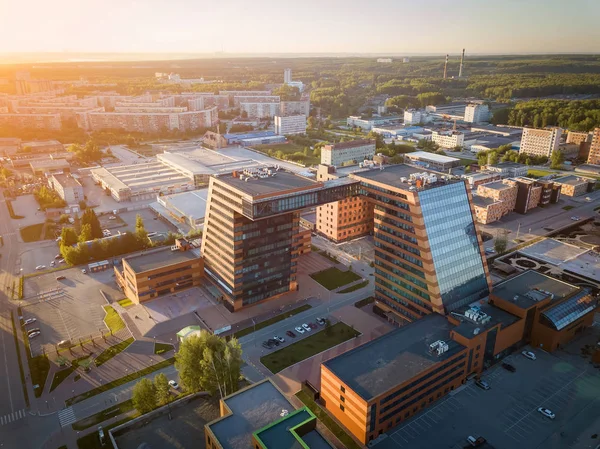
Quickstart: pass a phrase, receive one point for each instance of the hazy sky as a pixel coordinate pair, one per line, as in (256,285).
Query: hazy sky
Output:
(300,26)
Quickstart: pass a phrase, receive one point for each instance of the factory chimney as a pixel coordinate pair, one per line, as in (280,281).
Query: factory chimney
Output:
(445,66)
(462,60)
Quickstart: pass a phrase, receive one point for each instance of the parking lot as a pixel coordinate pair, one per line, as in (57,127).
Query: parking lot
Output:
(67,309)
(506,415)
(150,223)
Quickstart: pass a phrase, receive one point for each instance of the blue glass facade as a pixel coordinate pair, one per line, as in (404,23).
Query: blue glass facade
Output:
(454,247)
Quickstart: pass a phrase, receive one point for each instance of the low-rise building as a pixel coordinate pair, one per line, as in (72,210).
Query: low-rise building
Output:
(67,187)
(448,139)
(290,124)
(432,160)
(41,166)
(508,169)
(575,185)
(481,177)
(366,124)
(145,276)
(347,153)
(45,147)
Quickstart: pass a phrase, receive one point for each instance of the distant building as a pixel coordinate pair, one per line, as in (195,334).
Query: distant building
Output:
(578,137)
(508,169)
(145,276)
(594,155)
(287,76)
(366,124)
(45,147)
(415,116)
(290,124)
(300,107)
(477,113)
(67,187)
(31,121)
(448,139)
(384,60)
(259,109)
(540,142)
(347,153)
(575,185)
(432,160)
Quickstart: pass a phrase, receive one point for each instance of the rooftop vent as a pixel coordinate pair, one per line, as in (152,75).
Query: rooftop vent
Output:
(284,412)
(477,316)
(438,347)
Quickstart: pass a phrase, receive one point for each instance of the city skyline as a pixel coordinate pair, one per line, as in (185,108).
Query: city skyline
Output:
(331,27)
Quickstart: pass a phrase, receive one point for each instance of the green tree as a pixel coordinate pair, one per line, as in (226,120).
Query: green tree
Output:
(89,217)
(85,234)
(140,230)
(144,396)
(312,122)
(316,152)
(556,159)
(209,363)
(493,158)
(482,158)
(163,391)
(68,236)
(501,242)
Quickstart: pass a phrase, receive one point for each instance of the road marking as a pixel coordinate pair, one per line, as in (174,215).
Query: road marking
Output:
(66,416)
(12,417)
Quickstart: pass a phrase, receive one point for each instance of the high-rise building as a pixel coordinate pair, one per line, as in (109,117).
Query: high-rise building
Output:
(287,76)
(540,142)
(477,113)
(594,156)
(300,107)
(289,124)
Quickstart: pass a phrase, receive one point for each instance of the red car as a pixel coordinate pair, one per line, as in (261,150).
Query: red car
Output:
(313,325)
(290,334)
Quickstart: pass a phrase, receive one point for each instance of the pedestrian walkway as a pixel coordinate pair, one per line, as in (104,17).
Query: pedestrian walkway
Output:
(66,417)
(12,417)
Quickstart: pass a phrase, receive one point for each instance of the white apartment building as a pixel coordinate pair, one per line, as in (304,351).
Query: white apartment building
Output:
(67,187)
(290,124)
(347,153)
(477,113)
(287,76)
(448,139)
(260,110)
(415,116)
(301,107)
(540,142)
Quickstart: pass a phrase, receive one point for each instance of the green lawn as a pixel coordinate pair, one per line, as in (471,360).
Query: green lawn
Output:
(60,376)
(307,347)
(160,348)
(539,173)
(328,421)
(355,287)
(32,233)
(102,416)
(333,278)
(109,353)
(125,302)
(568,207)
(288,149)
(119,381)
(270,321)
(364,302)
(113,319)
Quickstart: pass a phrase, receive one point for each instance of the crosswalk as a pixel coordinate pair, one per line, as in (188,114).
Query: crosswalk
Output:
(12,417)
(66,416)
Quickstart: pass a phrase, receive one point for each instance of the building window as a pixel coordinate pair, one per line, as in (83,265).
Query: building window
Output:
(342,398)
(342,407)
(406,415)
(343,390)
(478,347)
(476,356)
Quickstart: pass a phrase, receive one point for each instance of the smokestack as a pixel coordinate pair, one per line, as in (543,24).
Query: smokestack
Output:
(462,60)
(445,66)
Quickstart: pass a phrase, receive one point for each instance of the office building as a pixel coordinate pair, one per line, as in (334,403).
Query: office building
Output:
(67,187)
(432,160)
(290,124)
(143,277)
(300,107)
(540,142)
(31,121)
(347,153)
(366,124)
(594,154)
(575,185)
(287,76)
(448,139)
(477,113)
(260,416)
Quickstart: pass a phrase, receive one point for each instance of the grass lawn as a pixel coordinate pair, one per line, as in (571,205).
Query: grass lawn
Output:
(60,376)
(303,349)
(119,381)
(125,302)
(539,173)
(32,233)
(333,278)
(102,416)
(568,207)
(160,348)
(328,421)
(270,321)
(113,320)
(109,353)
(91,440)
(355,287)
(287,149)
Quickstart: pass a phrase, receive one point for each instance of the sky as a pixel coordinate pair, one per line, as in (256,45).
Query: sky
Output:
(301,26)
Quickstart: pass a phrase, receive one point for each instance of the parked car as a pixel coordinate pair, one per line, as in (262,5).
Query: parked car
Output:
(266,345)
(29,321)
(528,354)
(84,271)
(279,339)
(174,384)
(508,367)
(101,436)
(40,267)
(57,257)
(52,263)
(61,260)
(312,325)
(475,441)
(575,218)
(290,334)
(321,321)
(60,278)
(35,329)
(300,329)
(547,413)
(64,343)
(490,251)
(273,341)
(482,384)
(306,327)
(34,334)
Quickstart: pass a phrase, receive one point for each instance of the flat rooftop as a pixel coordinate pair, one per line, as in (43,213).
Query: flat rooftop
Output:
(273,185)
(527,288)
(381,364)
(161,259)
(278,435)
(191,204)
(251,409)
(507,165)
(391,175)
(350,144)
(41,163)
(66,180)
(497,185)
(424,155)
(41,143)
(470,329)
(482,201)
(572,180)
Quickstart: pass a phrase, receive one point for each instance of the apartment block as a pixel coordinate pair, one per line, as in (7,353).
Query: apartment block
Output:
(347,153)
(540,142)
(345,220)
(448,139)
(477,113)
(259,109)
(31,121)
(578,137)
(301,107)
(594,154)
(67,187)
(238,100)
(146,276)
(289,124)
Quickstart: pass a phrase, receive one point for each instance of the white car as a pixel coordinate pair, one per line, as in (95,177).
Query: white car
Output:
(306,327)
(530,355)
(40,267)
(299,329)
(547,413)
(84,271)
(112,218)
(575,218)
(174,384)
(34,334)
(320,321)
(279,339)
(52,263)
(29,321)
